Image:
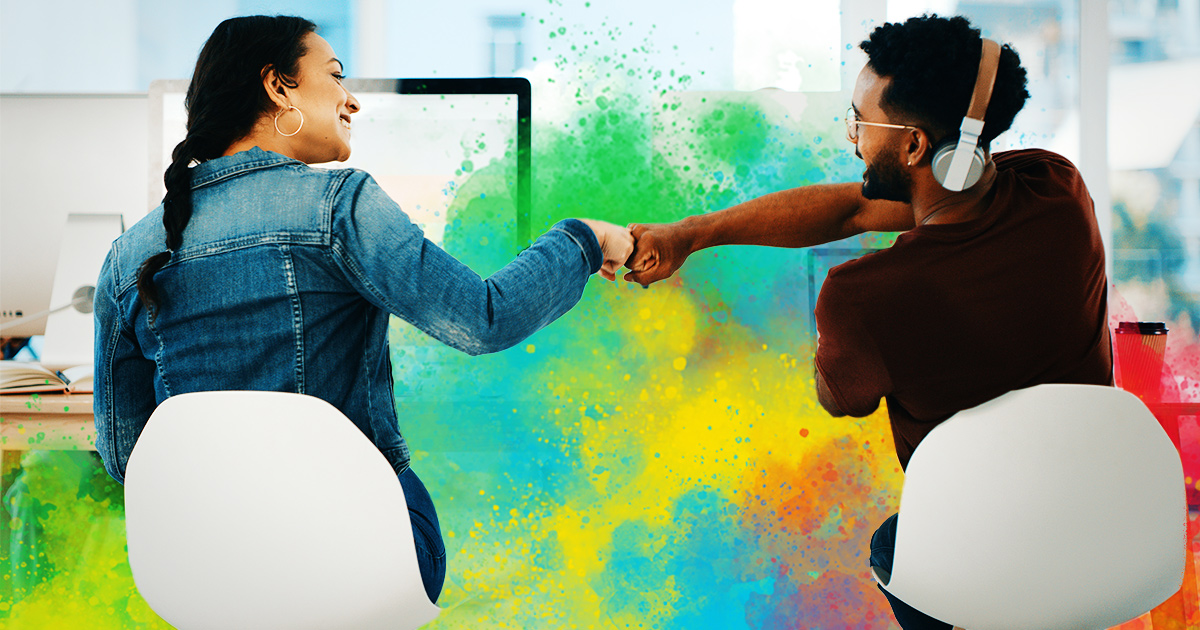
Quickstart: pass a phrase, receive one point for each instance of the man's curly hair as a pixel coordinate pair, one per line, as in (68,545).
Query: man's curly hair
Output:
(932,62)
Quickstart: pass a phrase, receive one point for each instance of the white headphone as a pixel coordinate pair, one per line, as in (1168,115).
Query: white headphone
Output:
(959,165)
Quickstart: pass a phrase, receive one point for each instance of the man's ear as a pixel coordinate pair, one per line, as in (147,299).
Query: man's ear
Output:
(275,87)
(919,147)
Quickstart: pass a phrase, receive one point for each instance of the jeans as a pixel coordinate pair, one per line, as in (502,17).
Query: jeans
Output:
(427,534)
(883,548)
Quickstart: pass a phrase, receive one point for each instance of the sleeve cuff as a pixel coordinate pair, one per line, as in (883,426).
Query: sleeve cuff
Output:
(583,236)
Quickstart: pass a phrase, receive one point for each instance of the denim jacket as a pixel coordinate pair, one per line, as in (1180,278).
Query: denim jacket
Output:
(284,282)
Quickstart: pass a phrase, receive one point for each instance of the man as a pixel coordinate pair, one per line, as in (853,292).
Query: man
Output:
(990,288)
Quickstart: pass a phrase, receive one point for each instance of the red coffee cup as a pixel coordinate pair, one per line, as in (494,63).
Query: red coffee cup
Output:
(1140,348)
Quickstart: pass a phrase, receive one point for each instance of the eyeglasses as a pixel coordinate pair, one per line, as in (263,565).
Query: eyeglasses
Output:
(852,123)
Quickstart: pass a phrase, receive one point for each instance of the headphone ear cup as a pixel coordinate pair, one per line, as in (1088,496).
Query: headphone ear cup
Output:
(943,156)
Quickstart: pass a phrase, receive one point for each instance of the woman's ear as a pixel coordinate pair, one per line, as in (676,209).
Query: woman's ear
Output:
(275,87)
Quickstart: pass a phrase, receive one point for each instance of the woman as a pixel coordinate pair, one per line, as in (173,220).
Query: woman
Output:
(258,272)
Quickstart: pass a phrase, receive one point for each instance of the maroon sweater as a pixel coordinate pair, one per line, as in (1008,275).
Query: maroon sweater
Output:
(954,315)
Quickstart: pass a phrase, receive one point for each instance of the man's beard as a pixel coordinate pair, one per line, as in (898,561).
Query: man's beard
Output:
(887,180)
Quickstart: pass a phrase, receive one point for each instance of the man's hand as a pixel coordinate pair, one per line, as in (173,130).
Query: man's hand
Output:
(659,250)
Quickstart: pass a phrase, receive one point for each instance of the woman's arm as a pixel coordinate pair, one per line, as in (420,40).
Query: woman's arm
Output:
(123,389)
(393,265)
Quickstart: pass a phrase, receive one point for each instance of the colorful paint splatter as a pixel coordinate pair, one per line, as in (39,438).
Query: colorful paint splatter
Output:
(654,460)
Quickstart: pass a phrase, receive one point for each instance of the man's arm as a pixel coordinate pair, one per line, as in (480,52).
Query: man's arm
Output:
(799,217)
(825,397)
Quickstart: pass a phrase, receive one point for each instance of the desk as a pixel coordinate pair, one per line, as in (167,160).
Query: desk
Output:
(37,421)
(61,422)
(1179,409)
(1181,610)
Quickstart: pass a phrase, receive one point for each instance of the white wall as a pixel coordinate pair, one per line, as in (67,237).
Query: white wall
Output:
(68,46)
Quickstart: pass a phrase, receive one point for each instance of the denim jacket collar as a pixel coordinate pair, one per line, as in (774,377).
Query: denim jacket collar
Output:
(253,159)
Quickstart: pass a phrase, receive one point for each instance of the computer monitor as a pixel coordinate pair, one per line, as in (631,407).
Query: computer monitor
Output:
(425,141)
(87,153)
(419,138)
(62,154)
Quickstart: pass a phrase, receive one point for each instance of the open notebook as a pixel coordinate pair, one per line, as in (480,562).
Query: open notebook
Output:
(23,377)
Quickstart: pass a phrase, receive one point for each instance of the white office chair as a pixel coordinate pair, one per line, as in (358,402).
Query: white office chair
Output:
(268,510)
(1053,507)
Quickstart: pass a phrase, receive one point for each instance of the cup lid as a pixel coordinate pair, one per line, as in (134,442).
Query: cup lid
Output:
(1142,328)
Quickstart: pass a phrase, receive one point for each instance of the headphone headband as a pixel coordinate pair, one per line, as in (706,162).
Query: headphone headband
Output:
(958,165)
(985,80)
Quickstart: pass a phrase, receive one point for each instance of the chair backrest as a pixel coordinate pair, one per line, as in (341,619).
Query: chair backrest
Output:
(1057,506)
(268,510)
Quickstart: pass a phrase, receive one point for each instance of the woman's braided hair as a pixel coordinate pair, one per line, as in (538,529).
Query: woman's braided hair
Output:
(224,101)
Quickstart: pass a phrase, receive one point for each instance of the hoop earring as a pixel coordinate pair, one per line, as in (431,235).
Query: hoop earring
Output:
(282,112)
